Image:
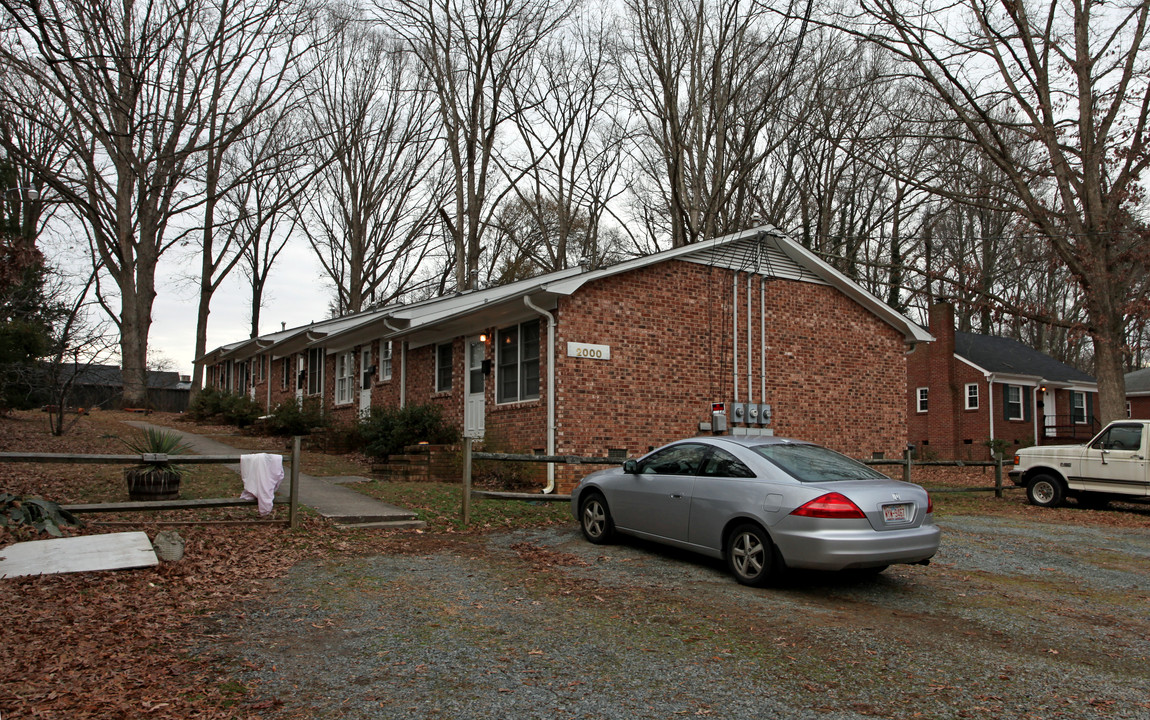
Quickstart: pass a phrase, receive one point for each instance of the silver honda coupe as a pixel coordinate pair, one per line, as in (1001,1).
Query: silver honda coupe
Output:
(763,504)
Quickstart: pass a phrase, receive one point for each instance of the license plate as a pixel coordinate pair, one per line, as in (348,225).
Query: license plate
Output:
(896,513)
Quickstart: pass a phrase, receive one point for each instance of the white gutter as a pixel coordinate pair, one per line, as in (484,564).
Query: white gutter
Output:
(550,390)
(735,334)
(750,358)
(990,406)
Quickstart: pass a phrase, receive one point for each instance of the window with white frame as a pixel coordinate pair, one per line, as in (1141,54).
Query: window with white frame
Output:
(518,363)
(315,360)
(923,399)
(443,362)
(344,377)
(285,374)
(384,359)
(1078,408)
(1014,409)
(972,396)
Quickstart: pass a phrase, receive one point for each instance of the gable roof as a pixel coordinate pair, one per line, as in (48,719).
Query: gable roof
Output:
(1138,382)
(765,250)
(111,376)
(1010,357)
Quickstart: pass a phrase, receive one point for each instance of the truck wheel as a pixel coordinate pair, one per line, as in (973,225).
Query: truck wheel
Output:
(1045,491)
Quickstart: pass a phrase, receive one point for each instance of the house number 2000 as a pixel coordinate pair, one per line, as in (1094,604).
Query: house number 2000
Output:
(591,352)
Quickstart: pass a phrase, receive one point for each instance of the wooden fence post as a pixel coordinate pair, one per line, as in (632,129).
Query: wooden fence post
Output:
(466,481)
(293,490)
(998,475)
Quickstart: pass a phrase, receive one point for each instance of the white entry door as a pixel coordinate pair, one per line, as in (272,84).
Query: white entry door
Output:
(474,410)
(1050,413)
(365,380)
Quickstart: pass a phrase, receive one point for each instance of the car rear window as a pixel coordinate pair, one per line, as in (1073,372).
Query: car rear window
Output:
(811,463)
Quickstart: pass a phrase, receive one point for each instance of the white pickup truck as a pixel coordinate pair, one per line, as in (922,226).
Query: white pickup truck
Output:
(1114,463)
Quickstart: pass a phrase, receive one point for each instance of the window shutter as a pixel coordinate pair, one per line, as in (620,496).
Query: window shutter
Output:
(1005,402)
(1026,413)
(1089,408)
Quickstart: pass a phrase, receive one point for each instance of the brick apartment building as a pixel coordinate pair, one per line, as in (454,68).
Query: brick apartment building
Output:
(964,389)
(620,359)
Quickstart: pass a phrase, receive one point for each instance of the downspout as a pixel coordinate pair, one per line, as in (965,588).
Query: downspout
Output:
(762,341)
(268,404)
(750,361)
(990,405)
(1034,412)
(402,365)
(735,333)
(550,390)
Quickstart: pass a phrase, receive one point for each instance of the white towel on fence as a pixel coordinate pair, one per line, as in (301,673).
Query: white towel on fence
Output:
(262,474)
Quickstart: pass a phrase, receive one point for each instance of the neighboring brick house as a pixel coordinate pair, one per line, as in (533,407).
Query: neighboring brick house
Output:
(620,359)
(964,389)
(1138,394)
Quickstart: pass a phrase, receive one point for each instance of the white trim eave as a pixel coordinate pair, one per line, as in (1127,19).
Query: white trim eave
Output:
(968,363)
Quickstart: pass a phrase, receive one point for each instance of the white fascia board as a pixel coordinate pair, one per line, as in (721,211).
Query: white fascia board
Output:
(1009,379)
(979,368)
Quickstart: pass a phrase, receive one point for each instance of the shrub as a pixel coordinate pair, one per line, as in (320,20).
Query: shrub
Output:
(292,418)
(218,405)
(386,431)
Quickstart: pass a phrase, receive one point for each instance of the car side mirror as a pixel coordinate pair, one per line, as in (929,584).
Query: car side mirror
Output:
(631,467)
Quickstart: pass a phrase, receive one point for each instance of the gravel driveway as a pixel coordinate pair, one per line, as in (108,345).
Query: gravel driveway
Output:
(1014,619)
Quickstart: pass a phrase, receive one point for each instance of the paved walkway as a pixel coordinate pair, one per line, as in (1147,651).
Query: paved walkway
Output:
(345,507)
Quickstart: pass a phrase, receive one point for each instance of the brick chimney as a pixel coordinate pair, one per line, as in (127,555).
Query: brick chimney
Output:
(944,394)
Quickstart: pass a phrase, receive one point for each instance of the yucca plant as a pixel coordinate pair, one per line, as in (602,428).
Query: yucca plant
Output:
(158,479)
(21,514)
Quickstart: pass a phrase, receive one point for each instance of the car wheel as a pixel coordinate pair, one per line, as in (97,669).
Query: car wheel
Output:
(595,519)
(750,555)
(1045,491)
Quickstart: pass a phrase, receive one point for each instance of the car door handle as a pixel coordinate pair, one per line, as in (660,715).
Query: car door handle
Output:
(676,496)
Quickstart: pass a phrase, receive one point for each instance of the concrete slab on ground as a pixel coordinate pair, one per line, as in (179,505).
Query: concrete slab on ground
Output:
(343,506)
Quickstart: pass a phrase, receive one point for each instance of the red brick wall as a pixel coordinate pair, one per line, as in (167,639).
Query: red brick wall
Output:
(835,373)
(1139,407)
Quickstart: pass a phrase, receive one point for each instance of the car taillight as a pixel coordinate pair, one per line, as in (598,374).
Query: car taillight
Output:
(929,504)
(831,505)
(1017,460)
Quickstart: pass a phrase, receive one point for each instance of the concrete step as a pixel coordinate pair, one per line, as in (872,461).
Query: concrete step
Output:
(383,525)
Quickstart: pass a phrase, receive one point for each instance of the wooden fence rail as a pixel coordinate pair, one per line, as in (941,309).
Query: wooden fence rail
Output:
(155,505)
(906,463)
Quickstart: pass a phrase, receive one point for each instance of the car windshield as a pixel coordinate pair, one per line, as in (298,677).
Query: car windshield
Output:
(811,463)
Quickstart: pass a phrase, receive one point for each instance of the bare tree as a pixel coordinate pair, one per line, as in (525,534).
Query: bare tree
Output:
(474,52)
(260,209)
(375,192)
(255,71)
(570,170)
(1067,82)
(132,81)
(710,82)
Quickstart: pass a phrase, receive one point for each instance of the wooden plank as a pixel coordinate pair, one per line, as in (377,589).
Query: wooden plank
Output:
(568,459)
(492,495)
(112,551)
(81,459)
(147,505)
